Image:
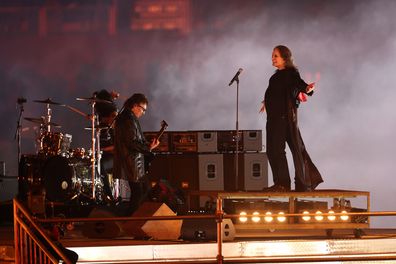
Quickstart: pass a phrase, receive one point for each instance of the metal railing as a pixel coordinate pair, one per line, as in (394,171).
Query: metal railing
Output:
(32,243)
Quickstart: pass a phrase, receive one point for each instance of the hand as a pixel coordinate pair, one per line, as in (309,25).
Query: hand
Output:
(262,109)
(154,144)
(310,87)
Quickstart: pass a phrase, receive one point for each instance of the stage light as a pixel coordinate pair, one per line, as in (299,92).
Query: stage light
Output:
(256,217)
(185,185)
(242,217)
(331,216)
(344,216)
(318,216)
(268,217)
(306,216)
(281,218)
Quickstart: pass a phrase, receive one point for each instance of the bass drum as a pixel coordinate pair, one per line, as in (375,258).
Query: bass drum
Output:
(30,175)
(59,179)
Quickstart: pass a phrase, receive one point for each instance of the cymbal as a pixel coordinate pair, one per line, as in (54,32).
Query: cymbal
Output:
(41,121)
(93,99)
(47,101)
(97,127)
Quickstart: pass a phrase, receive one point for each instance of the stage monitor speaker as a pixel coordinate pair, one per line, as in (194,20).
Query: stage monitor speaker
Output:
(102,229)
(156,229)
(206,230)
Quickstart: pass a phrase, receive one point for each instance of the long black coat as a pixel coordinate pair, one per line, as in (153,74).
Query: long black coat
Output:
(130,147)
(281,103)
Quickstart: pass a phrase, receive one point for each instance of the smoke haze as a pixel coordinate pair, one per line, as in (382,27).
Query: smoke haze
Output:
(347,47)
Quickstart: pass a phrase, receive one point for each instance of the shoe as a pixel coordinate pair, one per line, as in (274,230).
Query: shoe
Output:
(276,188)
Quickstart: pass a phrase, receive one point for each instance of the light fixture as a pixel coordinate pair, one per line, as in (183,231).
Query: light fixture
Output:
(344,216)
(318,216)
(331,216)
(306,216)
(268,217)
(242,217)
(281,217)
(256,217)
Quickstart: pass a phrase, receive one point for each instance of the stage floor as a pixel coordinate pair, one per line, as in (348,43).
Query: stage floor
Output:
(276,246)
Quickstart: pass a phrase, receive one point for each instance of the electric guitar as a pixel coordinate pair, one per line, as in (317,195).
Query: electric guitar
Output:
(149,157)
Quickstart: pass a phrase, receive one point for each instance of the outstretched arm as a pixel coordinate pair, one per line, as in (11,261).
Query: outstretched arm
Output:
(262,109)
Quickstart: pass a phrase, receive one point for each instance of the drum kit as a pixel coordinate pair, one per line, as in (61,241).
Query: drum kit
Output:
(62,173)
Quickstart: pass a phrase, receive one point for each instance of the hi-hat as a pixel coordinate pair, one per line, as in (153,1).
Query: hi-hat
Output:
(41,121)
(92,99)
(47,101)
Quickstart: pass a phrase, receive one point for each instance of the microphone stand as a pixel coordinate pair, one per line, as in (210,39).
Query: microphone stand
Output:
(18,131)
(237,136)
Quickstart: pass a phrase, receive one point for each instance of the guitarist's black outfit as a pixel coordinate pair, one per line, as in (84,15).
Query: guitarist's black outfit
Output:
(130,149)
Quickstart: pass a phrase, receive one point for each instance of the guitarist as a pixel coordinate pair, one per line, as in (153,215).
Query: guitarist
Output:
(130,147)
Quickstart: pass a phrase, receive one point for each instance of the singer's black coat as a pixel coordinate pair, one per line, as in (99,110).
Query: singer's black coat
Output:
(281,105)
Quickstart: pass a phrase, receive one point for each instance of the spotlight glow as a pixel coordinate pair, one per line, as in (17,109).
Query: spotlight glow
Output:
(318,216)
(281,218)
(344,216)
(268,217)
(306,217)
(256,217)
(242,217)
(331,216)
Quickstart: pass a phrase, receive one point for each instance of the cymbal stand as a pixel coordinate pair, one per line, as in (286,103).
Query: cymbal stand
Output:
(93,147)
(48,118)
(19,129)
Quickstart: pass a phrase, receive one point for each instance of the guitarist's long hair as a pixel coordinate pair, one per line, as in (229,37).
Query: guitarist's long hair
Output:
(136,98)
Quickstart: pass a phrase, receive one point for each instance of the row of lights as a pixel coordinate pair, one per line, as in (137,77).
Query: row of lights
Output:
(268,218)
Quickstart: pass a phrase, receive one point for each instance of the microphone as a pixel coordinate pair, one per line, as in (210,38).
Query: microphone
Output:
(21,100)
(235,78)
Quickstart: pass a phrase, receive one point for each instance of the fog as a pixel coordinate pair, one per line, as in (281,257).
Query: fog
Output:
(348,49)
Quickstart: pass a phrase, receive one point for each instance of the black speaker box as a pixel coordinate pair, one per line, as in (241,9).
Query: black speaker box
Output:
(102,229)
(206,230)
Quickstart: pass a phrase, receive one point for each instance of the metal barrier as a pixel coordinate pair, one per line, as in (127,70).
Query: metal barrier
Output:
(32,243)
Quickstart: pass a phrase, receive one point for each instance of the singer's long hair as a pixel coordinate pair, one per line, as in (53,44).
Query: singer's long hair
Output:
(286,54)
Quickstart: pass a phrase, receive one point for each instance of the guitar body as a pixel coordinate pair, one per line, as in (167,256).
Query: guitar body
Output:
(148,158)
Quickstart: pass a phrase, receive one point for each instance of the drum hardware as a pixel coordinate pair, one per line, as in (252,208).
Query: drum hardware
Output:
(41,121)
(95,140)
(87,116)
(48,102)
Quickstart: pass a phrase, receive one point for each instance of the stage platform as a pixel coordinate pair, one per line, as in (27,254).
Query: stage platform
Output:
(288,242)
(274,246)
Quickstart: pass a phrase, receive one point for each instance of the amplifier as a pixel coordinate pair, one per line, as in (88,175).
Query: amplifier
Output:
(207,141)
(164,141)
(226,141)
(252,140)
(184,141)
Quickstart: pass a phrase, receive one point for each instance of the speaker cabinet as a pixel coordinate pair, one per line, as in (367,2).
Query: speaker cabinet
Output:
(206,230)
(102,229)
(207,141)
(156,229)
(252,172)
(252,140)
(211,174)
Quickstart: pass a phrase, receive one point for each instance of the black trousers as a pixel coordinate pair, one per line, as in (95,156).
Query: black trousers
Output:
(139,194)
(278,134)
